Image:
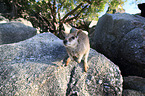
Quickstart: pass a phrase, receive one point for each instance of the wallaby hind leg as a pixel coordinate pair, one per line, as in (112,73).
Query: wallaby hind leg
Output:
(68,60)
(85,61)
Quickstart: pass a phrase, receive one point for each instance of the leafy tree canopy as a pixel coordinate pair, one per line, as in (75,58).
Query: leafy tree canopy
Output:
(49,15)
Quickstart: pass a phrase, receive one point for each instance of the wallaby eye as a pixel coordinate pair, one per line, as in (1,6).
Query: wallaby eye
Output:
(73,37)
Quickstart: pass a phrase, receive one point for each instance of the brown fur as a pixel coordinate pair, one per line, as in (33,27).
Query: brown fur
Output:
(78,49)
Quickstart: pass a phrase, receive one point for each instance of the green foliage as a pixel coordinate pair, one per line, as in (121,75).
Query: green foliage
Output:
(92,10)
(49,15)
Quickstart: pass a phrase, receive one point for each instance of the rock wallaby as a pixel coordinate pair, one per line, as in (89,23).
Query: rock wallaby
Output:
(77,45)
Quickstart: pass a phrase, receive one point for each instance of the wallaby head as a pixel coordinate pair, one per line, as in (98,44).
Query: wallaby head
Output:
(71,39)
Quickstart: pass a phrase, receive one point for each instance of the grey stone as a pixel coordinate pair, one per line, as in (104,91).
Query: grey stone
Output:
(128,92)
(3,19)
(24,21)
(14,32)
(135,83)
(35,67)
(121,38)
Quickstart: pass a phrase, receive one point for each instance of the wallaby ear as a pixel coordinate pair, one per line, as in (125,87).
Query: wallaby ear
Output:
(64,34)
(77,32)
(73,30)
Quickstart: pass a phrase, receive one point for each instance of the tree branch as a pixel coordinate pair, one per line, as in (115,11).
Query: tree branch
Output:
(50,6)
(71,12)
(77,16)
(59,10)
(88,1)
(61,5)
(53,12)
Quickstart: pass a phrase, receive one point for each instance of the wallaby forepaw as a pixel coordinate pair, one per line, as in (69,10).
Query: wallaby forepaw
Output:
(85,68)
(66,64)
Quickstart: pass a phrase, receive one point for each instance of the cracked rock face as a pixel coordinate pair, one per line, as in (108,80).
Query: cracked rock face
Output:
(35,67)
(121,37)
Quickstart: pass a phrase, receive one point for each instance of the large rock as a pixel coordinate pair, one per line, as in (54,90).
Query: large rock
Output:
(128,92)
(121,37)
(35,67)
(24,21)
(135,83)
(3,19)
(142,8)
(14,32)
